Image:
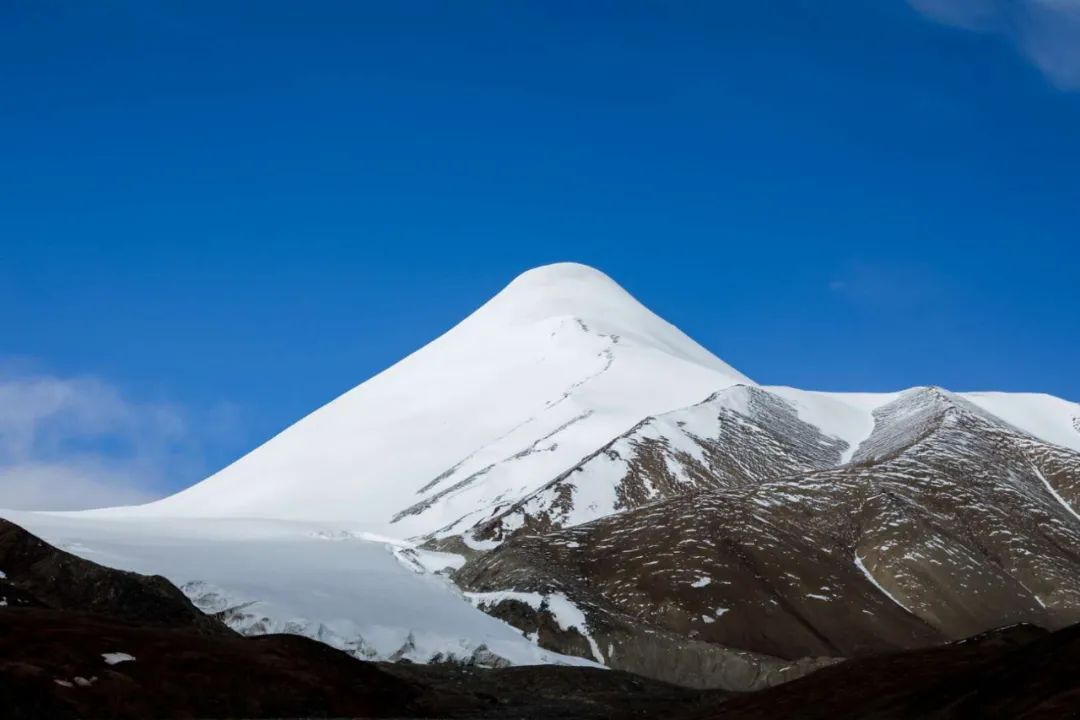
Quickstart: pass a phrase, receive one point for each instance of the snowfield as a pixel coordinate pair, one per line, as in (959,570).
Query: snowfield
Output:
(322,581)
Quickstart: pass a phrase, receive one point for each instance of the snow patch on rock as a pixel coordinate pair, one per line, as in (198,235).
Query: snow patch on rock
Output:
(115,658)
(566,614)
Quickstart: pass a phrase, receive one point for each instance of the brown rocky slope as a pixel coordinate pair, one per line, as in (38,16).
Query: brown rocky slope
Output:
(946,522)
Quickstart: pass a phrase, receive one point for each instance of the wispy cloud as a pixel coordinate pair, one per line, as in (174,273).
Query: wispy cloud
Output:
(79,442)
(893,287)
(1047,32)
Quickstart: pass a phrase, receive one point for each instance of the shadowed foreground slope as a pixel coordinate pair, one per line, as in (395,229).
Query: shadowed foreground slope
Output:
(1017,672)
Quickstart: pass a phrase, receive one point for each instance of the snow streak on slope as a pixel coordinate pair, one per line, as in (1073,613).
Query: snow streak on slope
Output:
(873,581)
(847,416)
(371,599)
(554,366)
(1054,493)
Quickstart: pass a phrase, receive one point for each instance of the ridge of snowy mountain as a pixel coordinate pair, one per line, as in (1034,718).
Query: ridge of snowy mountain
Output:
(738,436)
(741,436)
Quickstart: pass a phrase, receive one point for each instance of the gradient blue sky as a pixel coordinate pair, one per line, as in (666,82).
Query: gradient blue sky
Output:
(222,215)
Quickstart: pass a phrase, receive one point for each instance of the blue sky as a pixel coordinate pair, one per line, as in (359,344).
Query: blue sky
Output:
(215,217)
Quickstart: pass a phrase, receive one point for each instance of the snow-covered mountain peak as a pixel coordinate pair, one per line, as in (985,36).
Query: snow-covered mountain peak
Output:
(548,296)
(563,288)
(557,364)
(572,295)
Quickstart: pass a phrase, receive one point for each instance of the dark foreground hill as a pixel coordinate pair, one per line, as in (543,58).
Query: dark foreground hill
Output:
(1022,672)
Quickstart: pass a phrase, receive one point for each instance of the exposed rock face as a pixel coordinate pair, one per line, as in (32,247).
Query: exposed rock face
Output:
(946,522)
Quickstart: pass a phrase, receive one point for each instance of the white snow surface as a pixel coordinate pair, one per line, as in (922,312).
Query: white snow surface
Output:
(115,658)
(1043,416)
(555,365)
(372,599)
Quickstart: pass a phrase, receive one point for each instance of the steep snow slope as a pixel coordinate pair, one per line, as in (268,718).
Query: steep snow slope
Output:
(554,366)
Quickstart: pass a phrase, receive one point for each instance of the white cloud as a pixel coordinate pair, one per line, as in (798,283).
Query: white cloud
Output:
(893,287)
(71,485)
(72,443)
(978,15)
(1047,32)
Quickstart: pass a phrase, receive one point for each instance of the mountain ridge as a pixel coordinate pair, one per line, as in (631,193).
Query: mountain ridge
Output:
(575,320)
